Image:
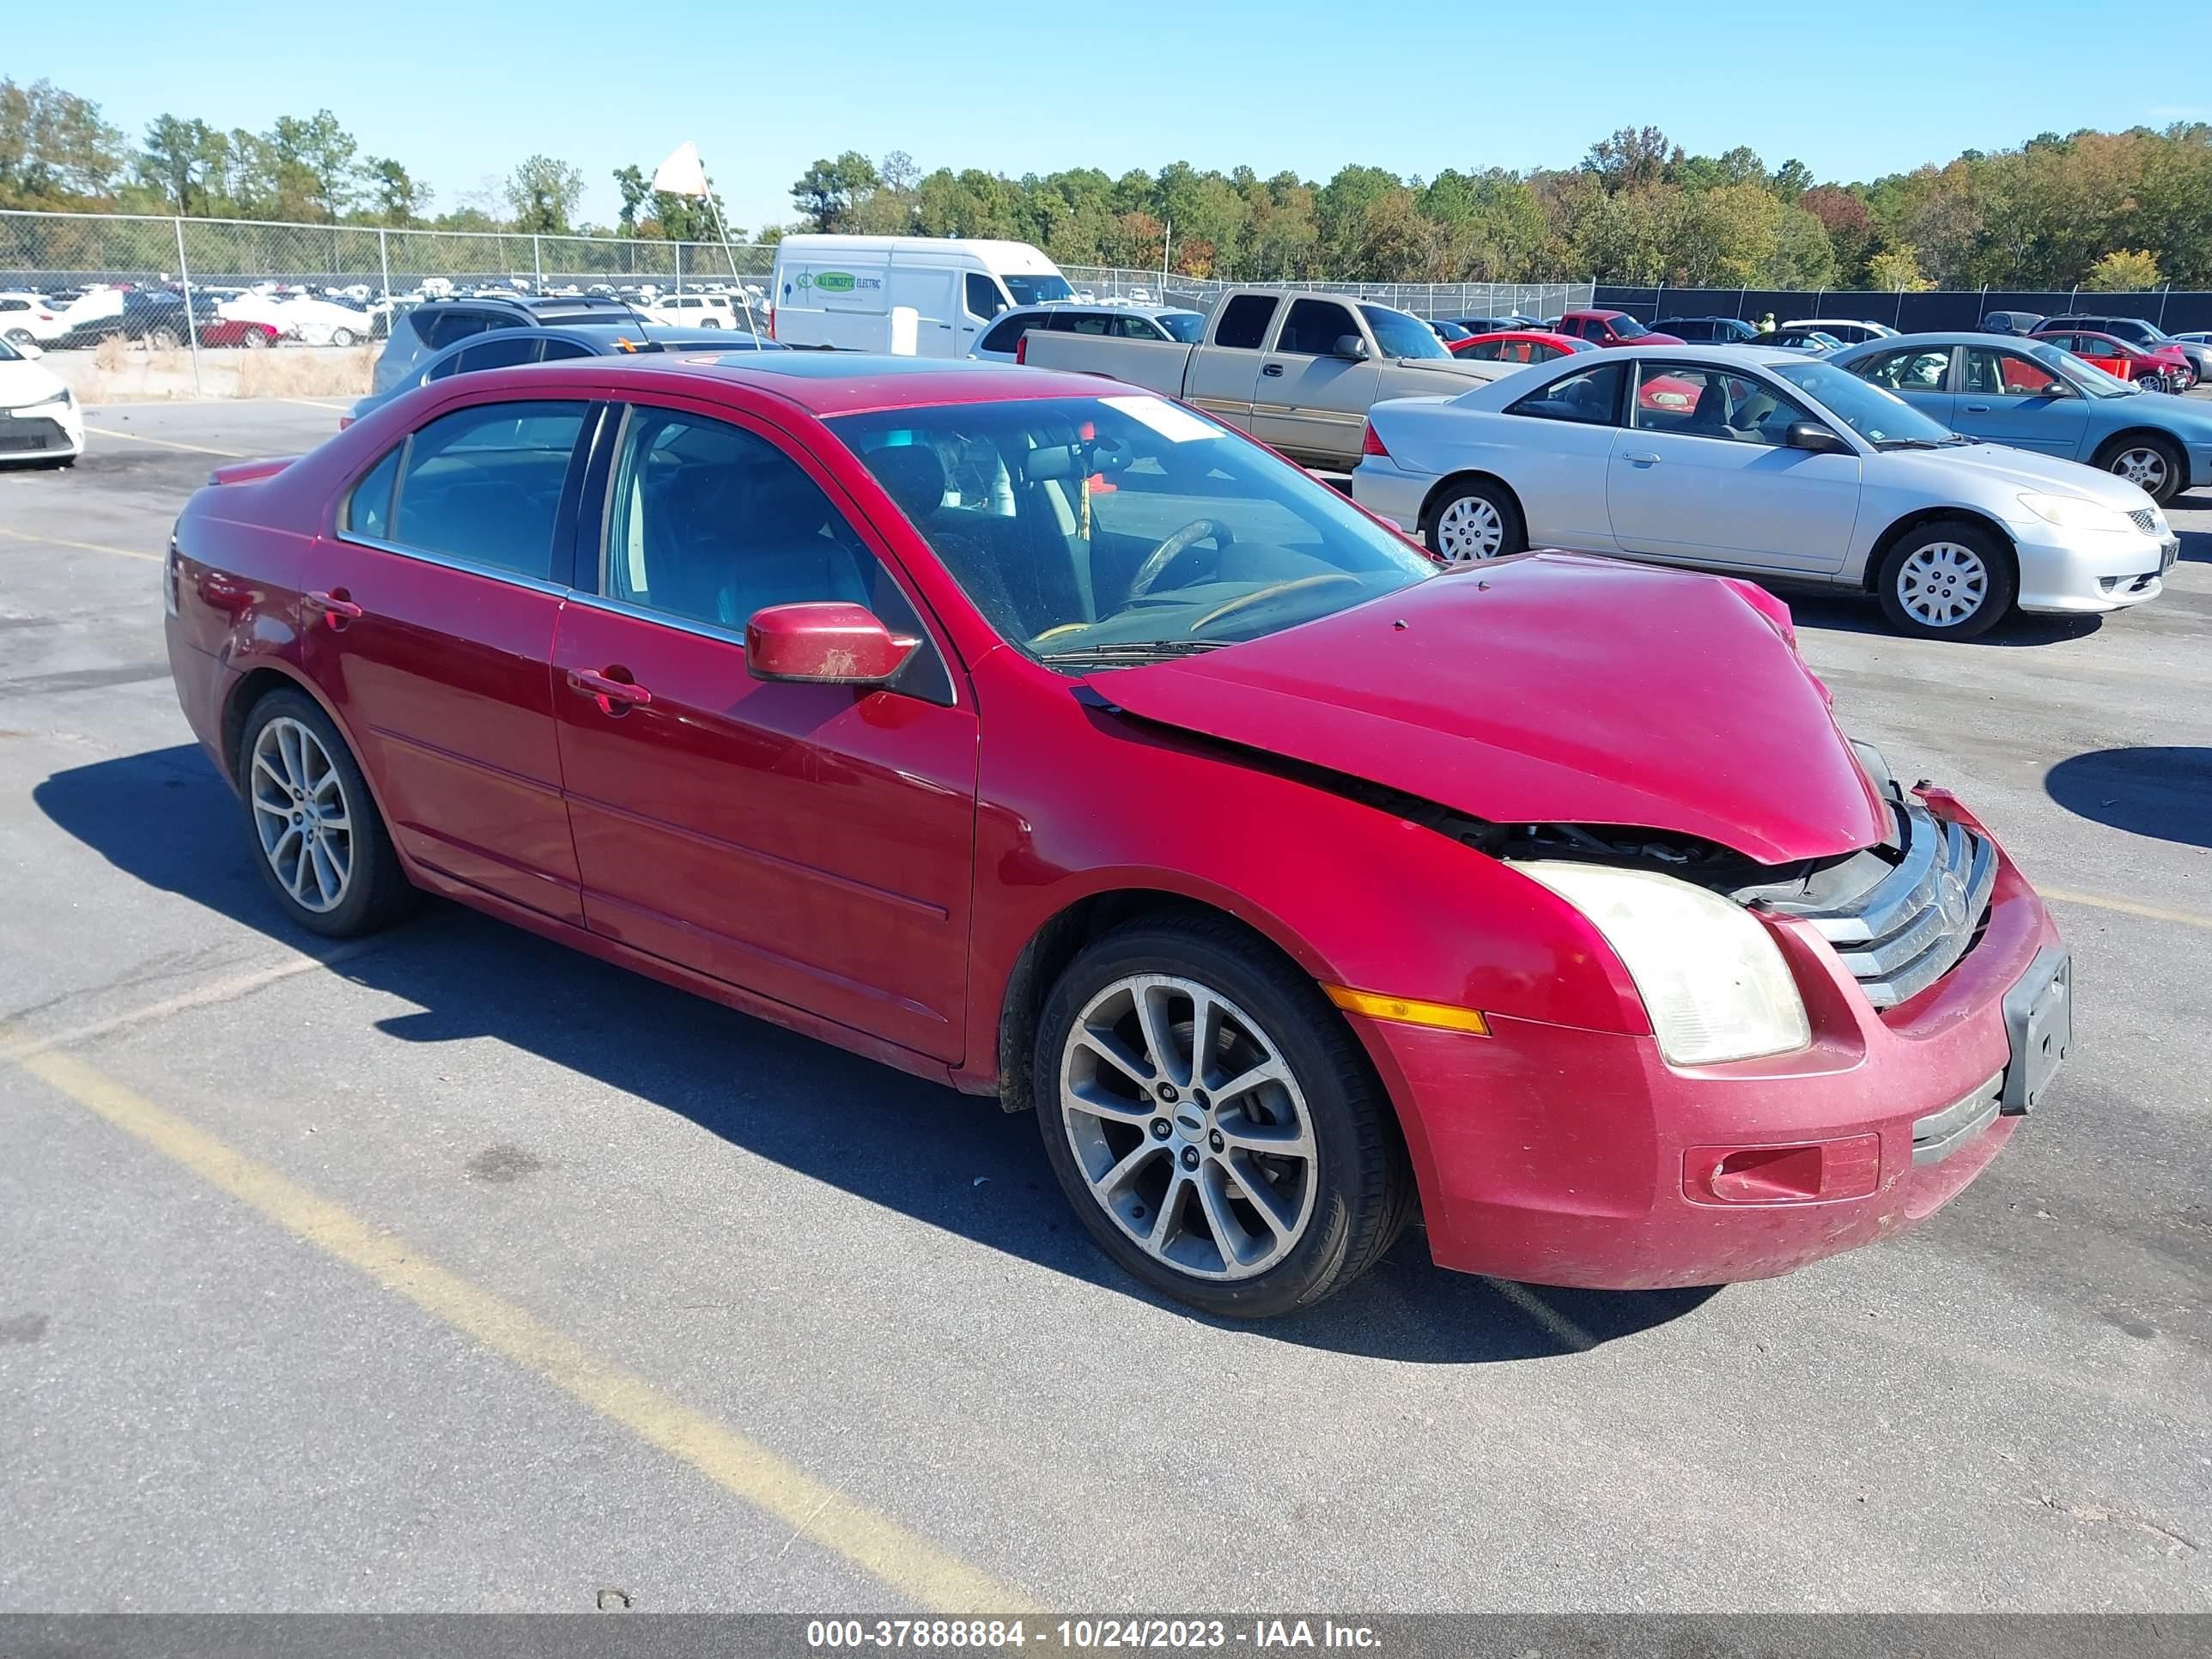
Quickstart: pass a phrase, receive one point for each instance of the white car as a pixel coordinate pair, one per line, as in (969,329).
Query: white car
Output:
(40,420)
(1849,330)
(690,310)
(27,319)
(304,317)
(1768,463)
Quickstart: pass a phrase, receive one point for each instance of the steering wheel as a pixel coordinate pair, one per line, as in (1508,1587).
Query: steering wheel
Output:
(1157,561)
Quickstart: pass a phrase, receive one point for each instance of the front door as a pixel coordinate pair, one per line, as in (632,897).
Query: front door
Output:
(1702,475)
(435,604)
(1310,403)
(2008,397)
(811,843)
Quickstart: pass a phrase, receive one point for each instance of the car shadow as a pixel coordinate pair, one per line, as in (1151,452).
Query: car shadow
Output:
(2196,544)
(164,818)
(1833,613)
(2165,793)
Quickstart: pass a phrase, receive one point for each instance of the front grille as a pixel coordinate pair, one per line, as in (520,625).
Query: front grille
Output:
(1906,916)
(22,437)
(2146,521)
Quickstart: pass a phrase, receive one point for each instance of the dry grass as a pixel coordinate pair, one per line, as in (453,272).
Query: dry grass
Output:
(333,372)
(112,355)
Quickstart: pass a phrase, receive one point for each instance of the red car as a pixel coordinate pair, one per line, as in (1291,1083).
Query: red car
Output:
(1613,328)
(842,690)
(2155,368)
(1519,345)
(223,332)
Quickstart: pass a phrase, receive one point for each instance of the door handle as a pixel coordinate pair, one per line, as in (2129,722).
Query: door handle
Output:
(337,609)
(1273,371)
(613,696)
(1976,409)
(1641,459)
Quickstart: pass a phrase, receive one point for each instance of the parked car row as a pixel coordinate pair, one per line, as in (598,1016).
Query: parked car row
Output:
(848,689)
(2141,350)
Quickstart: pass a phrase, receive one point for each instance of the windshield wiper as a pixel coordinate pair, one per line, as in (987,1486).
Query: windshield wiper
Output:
(1916,443)
(1128,651)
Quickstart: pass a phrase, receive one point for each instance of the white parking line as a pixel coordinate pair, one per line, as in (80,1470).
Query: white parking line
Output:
(166,443)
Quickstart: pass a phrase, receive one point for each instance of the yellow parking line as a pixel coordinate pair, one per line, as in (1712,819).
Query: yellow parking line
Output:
(166,443)
(2183,918)
(82,547)
(902,1559)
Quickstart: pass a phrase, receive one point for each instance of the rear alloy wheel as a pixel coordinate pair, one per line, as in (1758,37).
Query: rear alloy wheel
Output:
(344,336)
(1214,1124)
(1946,581)
(163,339)
(2150,381)
(324,849)
(1472,522)
(2150,464)
(255,340)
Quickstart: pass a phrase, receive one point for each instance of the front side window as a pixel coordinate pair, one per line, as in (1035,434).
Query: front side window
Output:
(708,523)
(1123,524)
(1244,321)
(1697,402)
(984,299)
(1590,397)
(1313,327)
(482,484)
(2008,374)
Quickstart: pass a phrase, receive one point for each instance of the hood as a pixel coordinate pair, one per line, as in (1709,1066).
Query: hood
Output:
(25,383)
(2023,468)
(1551,689)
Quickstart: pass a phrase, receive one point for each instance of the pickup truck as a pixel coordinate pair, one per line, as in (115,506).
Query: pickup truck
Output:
(1297,371)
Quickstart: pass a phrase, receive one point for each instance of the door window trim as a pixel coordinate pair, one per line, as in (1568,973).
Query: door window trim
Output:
(1654,366)
(590,555)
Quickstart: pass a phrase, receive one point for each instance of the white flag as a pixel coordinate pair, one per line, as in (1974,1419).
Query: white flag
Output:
(683,174)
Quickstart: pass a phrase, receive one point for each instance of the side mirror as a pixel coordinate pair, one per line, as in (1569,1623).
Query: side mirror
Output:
(1811,434)
(1350,347)
(823,643)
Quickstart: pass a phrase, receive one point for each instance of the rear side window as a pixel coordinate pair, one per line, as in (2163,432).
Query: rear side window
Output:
(1005,336)
(500,351)
(1588,399)
(556,351)
(1244,321)
(442,328)
(482,485)
(368,509)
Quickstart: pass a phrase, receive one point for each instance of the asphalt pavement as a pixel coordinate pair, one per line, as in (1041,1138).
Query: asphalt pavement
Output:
(454,1270)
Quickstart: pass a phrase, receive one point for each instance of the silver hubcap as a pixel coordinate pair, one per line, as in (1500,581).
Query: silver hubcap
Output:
(2146,467)
(1189,1127)
(1469,529)
(1943,584)
(299,813)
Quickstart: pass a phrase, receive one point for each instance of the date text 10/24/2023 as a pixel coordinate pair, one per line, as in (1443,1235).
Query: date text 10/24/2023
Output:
(1088,1635)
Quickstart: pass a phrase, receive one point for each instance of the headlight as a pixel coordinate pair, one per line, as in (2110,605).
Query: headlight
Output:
(2072,512)
(1711,977)
(64,398)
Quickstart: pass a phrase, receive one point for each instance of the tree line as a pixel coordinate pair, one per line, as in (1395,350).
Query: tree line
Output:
(2113,210)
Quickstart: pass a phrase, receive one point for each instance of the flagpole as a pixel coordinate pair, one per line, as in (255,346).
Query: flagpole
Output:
(731,253)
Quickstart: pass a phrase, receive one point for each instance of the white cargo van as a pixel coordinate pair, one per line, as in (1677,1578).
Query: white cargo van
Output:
(912,296)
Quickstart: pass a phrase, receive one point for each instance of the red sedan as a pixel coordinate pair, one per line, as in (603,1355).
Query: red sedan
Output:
(2155,368)
(1519,345)
(842,691)
(227,332)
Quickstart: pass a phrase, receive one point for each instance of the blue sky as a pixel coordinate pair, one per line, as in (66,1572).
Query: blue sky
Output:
(461,92)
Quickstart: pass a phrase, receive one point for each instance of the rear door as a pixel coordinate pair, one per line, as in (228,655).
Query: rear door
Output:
(1224,371)
(431,613)
(1713,483)
(811,844)
(1308,402)
(2008,397)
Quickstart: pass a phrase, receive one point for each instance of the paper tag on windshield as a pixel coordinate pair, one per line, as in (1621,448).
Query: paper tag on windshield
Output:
(1177,426)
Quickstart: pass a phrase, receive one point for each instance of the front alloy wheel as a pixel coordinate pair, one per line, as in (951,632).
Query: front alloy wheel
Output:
(1189,1127)
(301,815)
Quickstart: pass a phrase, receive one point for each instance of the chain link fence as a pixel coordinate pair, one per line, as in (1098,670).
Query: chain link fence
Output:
(1430,300)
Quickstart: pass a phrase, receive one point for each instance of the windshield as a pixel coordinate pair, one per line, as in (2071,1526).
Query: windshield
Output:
(1036,290)
(1123,528)
(9,354)
(1627,328)
(1872,413)
(2087,377)
(1187,326)
(1401,336)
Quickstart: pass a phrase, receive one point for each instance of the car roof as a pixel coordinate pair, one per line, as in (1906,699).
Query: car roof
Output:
(1946,337)
(1116,308)
(1720,355)
(827,383)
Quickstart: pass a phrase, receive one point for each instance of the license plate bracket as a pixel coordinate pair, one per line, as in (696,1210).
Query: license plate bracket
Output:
(2038,1014)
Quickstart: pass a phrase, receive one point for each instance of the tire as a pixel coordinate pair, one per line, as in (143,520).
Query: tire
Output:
(2150,382)
(1340,1193)
(2147,459)
(344,336)
(1946,580)
(21,337)
(709,322)
(372,891)
(162,340)
(1474,520)
(255,340)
